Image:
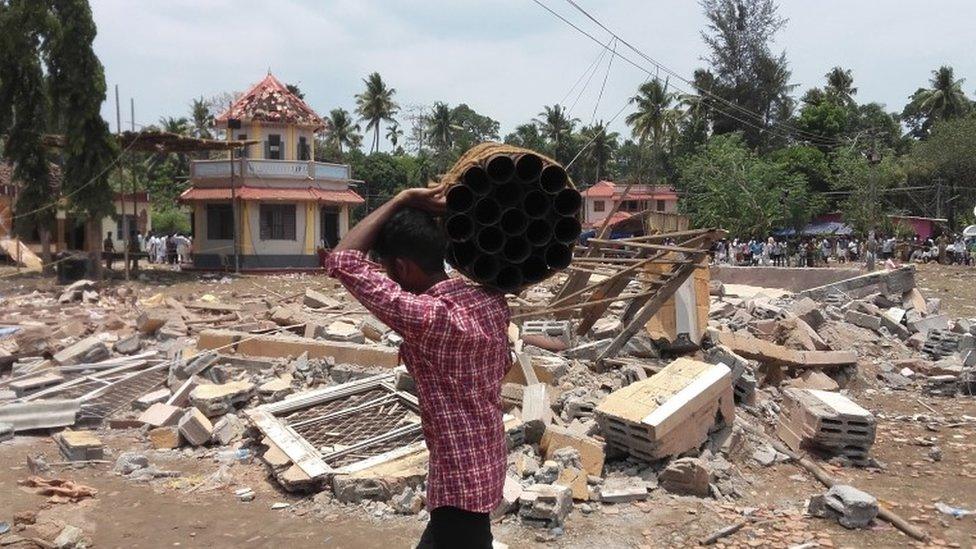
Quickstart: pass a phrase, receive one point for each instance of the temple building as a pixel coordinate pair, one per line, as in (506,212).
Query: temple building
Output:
(287,204)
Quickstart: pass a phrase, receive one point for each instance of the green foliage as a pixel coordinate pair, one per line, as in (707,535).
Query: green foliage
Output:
(376,105)
(864,208)
(810,162)
(827,119)
(945,100)
(727,185)
(340,131)
(948,157)
(171,219)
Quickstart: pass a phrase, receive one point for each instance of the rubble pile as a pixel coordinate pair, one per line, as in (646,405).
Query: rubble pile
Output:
(309,386)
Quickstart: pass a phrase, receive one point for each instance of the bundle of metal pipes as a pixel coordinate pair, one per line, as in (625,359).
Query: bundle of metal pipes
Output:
(512,220)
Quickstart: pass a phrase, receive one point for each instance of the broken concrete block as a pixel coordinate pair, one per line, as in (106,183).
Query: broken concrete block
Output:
(575,479)
(40,414)
(161,415)
(352,489)
(896,281)
(863,320)
(851,507)
(79,445)
(770,353)
(373,329)
(150,321)
(150,398)
(33,384)
(797,334)
(165,438)
(70,537)
(128,345)
(536,411)
(88,350)
(525,465)
(688,476)
(545,505)
(669,413)
(195,427)
(215,400)
(623,490)
(940,344)
(228,430)
(826,422)
(923,325)
(814,379)
(591,450)
(511,492)
(6,431)
(318,300)
(409,502)
(129,462)
(336,331)
(275,390)
(290,346)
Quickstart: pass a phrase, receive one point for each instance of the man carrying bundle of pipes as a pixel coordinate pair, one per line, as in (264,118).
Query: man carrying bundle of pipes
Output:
(455,345)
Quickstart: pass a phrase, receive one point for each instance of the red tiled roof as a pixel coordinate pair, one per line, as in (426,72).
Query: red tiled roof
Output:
(346,196)
(270,101)
(614,219)
(603,189)
(608,189)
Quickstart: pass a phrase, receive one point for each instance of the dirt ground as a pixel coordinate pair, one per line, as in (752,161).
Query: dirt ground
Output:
(192,511)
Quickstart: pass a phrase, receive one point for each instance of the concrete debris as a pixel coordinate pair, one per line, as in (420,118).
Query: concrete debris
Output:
(165,438)
(669,413)
(545,505)
(216,400)
(79,445)
(161,415)
(40,414)
(686,476)
(623,490)
(318,300)
(511,492)
(591,451)
(6,431)
(195,427)
(771,353)
(88,350)
(129,462)
(826,422)
(288,346)
(70,537)
(228,430)
(847,505)
(536,411)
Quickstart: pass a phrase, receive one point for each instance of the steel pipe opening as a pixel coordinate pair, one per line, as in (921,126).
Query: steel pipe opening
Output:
(558,256)
(462,254)
(487,211)
(517,250)
(509,279)
(460,198)
(513,222)
(534,269)
(567,230)
(528,167)
(500,168)
(508,194)
(485,268)
(539,232)
(567,202)
(490,240)
(460,227)
(535,204)
(476,179)
(553,179)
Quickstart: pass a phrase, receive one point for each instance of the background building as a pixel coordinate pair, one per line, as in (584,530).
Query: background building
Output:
(288,204)
(599,201)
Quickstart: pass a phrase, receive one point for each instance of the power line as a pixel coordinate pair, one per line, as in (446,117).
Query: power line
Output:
(660,66)
(604,86)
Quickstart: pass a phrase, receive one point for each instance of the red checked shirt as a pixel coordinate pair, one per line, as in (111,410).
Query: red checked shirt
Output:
(455,345)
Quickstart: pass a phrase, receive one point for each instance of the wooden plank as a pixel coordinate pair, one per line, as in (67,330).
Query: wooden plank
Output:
(20,252)
(298,450)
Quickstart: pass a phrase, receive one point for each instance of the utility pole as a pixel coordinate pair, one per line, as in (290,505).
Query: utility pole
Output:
(234,124)
(135,200)
(125,222)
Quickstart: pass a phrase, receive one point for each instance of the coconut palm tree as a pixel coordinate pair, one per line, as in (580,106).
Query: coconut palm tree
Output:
(441,127)
(179,125)
(840,84)
(393,134)
(203,120)
(655,115)
(375,106)
(556,126)
(945,100)
(342,130)
(600,149)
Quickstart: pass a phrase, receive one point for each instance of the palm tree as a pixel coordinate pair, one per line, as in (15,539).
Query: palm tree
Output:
(601,148)
(393,134)
(655,114)
(202,118)
(945,100)
(180,126)
(342,130)
(840,84)
(441,126)
(555,125)
(376,105)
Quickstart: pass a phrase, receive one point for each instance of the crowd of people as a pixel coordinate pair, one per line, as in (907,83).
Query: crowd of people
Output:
(821,251)
(160,248)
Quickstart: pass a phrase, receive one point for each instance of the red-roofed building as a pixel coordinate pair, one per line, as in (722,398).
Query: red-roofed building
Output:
(288,205)
(600,199)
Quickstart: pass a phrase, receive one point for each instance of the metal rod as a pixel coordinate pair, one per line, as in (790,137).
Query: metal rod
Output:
(553,179)
(463,253)
(534,269)
(500,168)
(550,310)
(528,167)
(567,202)
(476,179)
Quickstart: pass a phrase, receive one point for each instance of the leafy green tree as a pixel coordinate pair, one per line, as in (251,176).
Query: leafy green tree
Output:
(827,119)
(442,127)
(865,205)
(527,136)
(655,122)
(808,161)
(179,126)
(341,131)
(375,106)
(472,128)
(393,135)
(169,219)
(203,120)
(600,148)
(944,100)
(948,157)
(727,185)
(24,112)
(78,90)
(747,73)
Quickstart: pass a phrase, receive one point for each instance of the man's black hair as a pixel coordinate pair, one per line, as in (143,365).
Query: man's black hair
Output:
(415,235)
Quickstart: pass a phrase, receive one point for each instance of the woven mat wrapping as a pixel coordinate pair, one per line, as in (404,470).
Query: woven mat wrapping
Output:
(480,154)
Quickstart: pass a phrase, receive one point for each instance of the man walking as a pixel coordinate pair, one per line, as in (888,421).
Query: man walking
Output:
(455,345)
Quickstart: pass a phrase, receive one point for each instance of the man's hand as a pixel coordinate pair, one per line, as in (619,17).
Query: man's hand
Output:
(431,199)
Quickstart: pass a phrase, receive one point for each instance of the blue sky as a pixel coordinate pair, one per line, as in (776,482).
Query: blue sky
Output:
(505,58)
